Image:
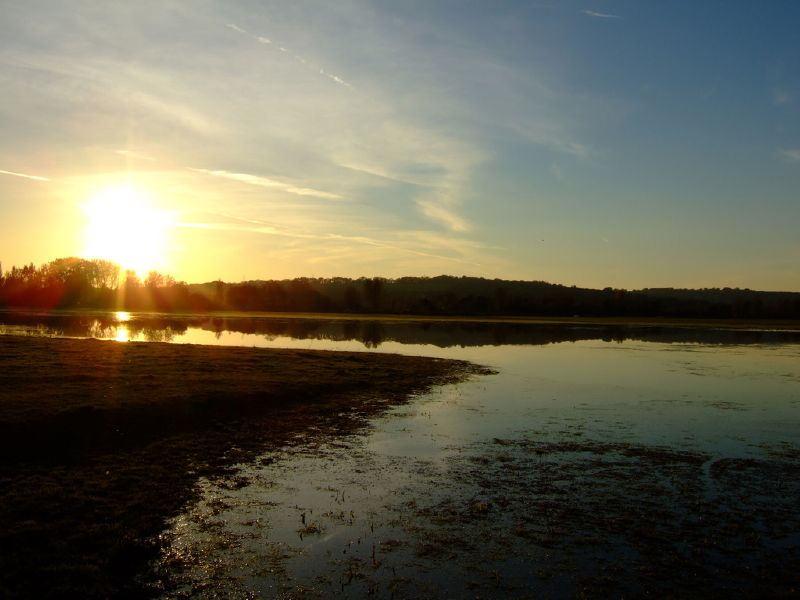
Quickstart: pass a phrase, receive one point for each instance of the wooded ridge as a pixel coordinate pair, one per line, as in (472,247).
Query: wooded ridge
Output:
(98,284)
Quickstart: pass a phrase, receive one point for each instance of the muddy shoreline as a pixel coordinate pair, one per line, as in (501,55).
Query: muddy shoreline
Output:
(104,442)
(503,518)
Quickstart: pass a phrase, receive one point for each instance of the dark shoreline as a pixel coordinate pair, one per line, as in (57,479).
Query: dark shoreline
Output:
(103,442)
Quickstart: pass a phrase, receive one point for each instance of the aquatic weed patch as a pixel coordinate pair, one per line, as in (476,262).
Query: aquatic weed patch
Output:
(573,518)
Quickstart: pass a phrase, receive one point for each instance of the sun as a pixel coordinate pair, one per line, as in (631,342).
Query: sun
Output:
(124,227)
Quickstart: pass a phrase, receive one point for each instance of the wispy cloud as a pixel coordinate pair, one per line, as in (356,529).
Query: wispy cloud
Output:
(330,76)
(269,183)
(548,134)
(25,175)
(245,225)
(383,172)
(441,213)
(600,15)
(268,42)
(107,85)
(790,154)
(437,162)
(133,154)
(427,122)
(573,148)
(178,112)
(781,97)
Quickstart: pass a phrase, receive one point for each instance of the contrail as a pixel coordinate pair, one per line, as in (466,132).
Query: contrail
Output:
(267,41)
(34,177)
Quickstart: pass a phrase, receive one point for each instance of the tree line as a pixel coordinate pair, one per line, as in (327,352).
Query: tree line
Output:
(99,284)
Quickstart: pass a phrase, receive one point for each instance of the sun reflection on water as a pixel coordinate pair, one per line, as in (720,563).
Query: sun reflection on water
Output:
(122,316)
(123,334)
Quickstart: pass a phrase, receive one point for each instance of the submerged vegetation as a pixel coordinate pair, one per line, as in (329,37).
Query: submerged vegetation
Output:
(81,283)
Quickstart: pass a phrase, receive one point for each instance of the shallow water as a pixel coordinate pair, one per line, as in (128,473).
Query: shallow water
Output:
(325,332)
(442,497)
(603,461)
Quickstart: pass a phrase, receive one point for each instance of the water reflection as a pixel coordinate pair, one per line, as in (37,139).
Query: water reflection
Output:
(371,334)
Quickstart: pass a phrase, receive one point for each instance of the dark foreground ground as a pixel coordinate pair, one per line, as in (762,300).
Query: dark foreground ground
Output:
(101,442)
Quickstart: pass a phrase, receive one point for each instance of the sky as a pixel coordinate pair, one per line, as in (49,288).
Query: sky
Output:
(594,143)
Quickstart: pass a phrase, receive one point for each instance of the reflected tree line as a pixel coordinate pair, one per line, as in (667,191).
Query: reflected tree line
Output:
(99,284)
(371,333)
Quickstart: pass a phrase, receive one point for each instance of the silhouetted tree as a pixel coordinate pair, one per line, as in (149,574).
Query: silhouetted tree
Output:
(373,289)
(154,280)
(75,282)
(131,290)
(352,300)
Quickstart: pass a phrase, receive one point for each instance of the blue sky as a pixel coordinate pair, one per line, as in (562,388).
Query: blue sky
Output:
(629,144)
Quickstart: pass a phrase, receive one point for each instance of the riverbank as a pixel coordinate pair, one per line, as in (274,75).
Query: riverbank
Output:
(103,442)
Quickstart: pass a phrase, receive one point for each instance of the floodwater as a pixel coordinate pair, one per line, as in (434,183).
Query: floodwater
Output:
(597,461)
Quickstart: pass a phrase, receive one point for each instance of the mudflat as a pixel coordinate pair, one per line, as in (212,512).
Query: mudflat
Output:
(102,442)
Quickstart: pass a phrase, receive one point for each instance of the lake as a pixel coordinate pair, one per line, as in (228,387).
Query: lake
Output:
(598,460)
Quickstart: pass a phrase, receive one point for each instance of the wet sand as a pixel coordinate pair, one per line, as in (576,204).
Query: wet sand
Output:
(103,442)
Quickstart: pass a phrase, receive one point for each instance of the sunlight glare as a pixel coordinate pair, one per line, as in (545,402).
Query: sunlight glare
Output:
(123,334)
(122,226)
